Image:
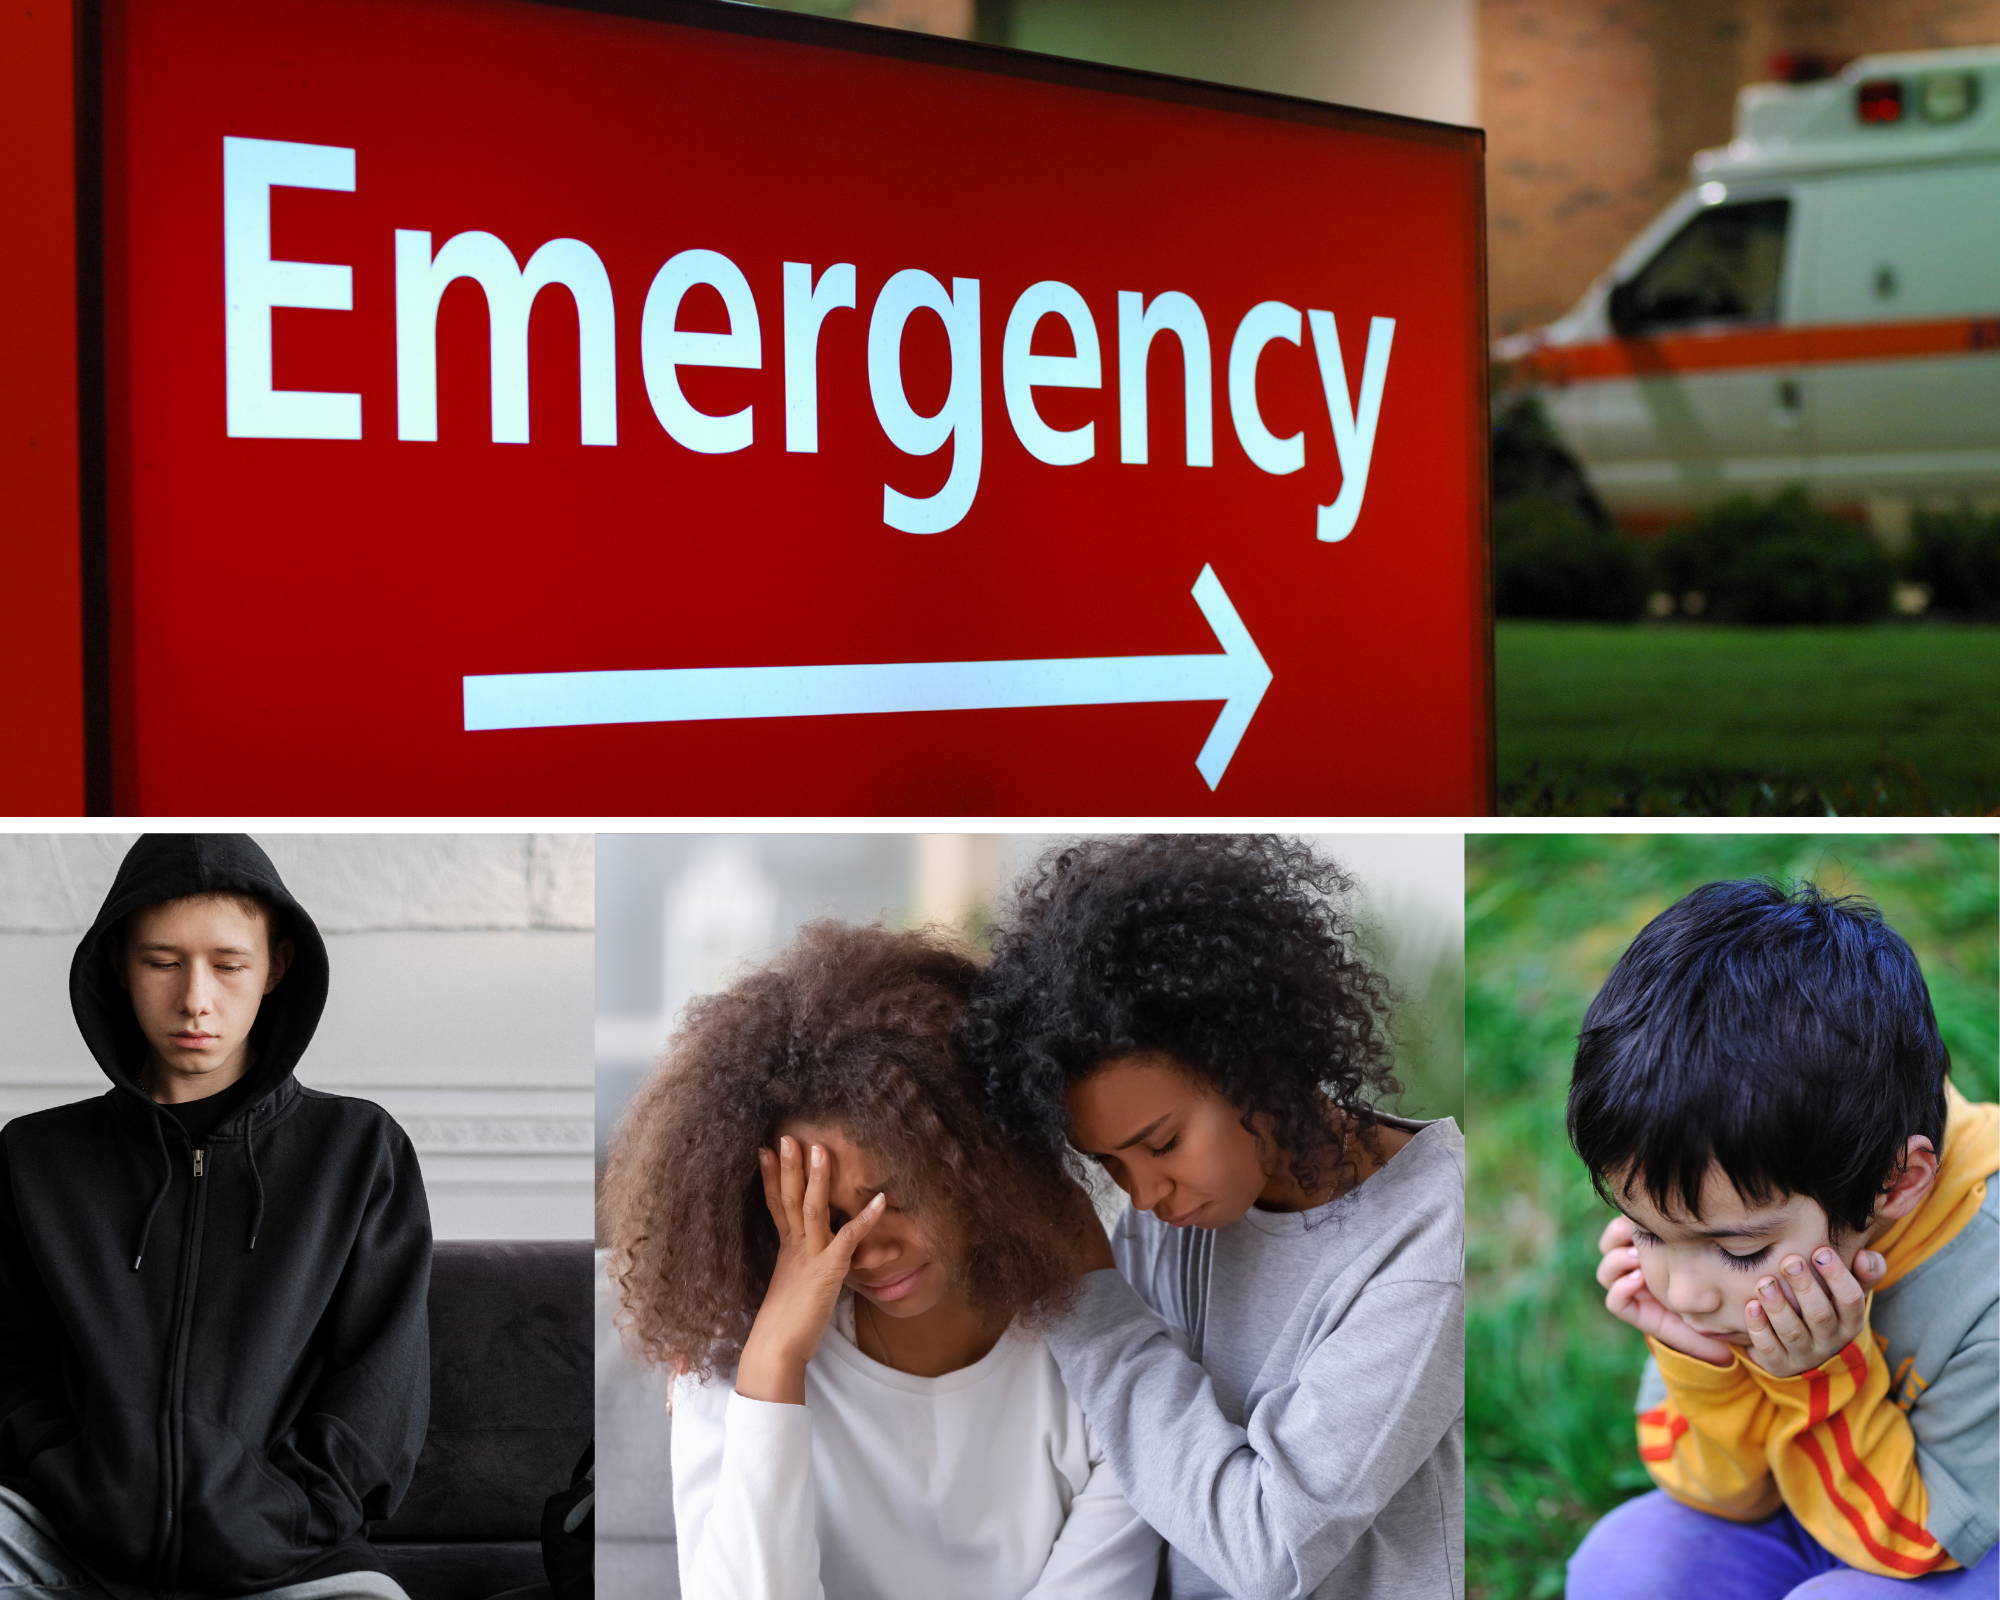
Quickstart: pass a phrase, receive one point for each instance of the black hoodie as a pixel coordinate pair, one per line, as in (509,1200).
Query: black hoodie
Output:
(214,1363)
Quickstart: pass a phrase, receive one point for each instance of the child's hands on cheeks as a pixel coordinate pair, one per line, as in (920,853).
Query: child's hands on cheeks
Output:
(1628,1299)
(1832,1306)
(1793,1327)
(805,1283)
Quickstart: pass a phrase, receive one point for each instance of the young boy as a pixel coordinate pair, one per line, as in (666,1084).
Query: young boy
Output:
(1761,1091)
(1272,1350)
(214,1347)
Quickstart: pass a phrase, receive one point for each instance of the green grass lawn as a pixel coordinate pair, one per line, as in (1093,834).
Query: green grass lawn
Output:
(1550,1376)
(1639,720)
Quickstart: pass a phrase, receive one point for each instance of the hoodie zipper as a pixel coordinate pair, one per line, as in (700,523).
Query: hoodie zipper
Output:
(168,1571)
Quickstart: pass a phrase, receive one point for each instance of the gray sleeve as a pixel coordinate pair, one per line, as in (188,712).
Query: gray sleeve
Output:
(1957,1426)
(1652,1387)
(1268,1510)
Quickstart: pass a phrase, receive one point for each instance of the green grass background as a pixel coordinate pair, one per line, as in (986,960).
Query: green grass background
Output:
(1697,720)
(1550,1376)
(1425,965)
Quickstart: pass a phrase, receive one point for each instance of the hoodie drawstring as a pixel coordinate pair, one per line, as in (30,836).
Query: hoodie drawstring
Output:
(167,1180)
(166,1183)
(250,1153)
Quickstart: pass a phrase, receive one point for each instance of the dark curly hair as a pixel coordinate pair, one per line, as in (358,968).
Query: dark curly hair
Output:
(1231,954)
(849,1025)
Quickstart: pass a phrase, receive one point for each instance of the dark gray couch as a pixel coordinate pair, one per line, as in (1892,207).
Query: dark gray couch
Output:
(511,1399)
(637,1558)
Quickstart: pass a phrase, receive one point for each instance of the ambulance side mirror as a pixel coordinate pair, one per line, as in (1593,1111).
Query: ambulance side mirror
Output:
(1623,308)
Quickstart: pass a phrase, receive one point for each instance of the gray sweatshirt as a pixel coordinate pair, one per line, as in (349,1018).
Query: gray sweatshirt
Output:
(1284,1398)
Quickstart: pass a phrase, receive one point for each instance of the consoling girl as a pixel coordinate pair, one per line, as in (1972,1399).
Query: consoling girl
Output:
(1276,1364)
(815,1225)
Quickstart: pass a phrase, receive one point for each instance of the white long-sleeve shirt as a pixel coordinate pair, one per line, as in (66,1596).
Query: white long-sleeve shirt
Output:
(983,1484)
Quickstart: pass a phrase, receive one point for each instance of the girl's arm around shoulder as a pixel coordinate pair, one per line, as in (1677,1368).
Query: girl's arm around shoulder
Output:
(1269,1509)
(745,1513)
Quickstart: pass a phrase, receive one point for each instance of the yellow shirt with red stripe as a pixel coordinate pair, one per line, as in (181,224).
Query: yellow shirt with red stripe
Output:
(1833,1445)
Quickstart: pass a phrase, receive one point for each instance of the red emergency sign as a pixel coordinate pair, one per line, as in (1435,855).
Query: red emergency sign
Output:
(521,408)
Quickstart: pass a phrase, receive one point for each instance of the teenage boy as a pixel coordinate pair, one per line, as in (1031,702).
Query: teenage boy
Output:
(1761,1091)
(214,1348)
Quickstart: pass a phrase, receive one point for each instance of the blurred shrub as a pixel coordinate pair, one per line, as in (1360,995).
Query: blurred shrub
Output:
(1956,555)
(1530,462)
(1424,962)
(1780,560)
(1549,562)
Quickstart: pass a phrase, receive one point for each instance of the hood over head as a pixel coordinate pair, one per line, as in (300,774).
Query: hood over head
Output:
(172,866)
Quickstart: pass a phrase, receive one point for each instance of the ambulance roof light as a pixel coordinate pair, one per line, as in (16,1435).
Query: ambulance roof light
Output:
(1879,100)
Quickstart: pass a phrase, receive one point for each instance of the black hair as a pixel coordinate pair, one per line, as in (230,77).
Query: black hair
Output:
(1233,955)
(1781,1033)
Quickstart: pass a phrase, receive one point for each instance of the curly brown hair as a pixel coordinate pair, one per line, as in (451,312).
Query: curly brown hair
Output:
(849,1025)
(1235,955)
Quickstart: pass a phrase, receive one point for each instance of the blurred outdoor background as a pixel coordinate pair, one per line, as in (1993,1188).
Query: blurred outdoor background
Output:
(1755,654)
(680,914)
(1550,1374)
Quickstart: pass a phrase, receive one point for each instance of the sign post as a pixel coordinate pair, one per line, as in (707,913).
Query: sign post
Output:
(41,641)
(691,409)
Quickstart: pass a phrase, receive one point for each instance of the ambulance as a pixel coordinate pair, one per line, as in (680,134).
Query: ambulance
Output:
(1820,307)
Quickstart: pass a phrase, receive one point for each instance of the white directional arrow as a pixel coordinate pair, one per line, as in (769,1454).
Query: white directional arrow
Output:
(1237,677)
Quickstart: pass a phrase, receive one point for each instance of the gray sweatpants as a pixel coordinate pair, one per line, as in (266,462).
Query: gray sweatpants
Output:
(35,1566)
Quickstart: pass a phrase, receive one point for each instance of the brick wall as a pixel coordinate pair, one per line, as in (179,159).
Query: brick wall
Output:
(1593,108)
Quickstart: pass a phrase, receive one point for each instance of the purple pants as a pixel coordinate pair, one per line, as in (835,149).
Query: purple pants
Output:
(1655,1548)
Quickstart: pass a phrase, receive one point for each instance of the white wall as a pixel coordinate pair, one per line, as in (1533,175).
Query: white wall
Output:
(460,1002)
(678,914)
(1417,58)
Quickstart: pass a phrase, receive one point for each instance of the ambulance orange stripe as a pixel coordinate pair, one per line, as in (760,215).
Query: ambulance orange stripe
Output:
(1857,1469)
(1911,1566)
(1759,347)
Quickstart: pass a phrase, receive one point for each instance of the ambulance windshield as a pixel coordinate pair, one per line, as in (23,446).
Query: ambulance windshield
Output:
(1724,266)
